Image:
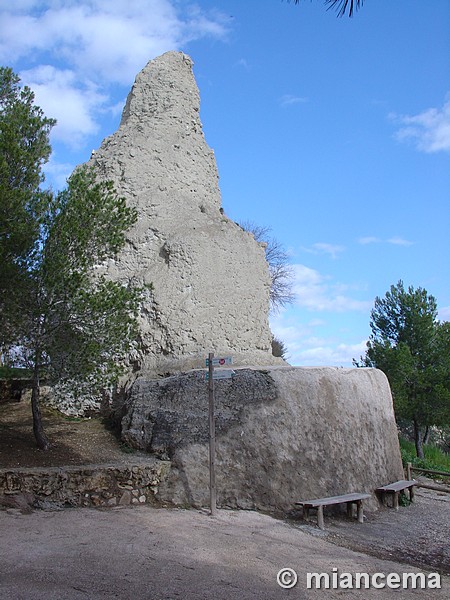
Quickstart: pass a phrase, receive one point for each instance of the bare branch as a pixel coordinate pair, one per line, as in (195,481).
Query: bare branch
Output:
(281,272)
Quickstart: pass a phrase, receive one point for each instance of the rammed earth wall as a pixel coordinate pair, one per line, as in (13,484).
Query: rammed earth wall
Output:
(282,435)
(210,278)
(93,485)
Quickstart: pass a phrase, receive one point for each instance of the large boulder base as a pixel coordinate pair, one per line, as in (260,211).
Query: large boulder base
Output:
(283,434)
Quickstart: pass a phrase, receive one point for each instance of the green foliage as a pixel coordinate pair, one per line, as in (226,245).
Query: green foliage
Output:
(76,323)
(126,449)
(413,350)
(55,305)
(434,458)
(14,373)
(24,148)
(86,223)
(83,324)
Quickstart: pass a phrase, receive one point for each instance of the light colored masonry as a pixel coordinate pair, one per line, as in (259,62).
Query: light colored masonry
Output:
(210,278)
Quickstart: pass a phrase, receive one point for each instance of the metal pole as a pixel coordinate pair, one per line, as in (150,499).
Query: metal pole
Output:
(212,438)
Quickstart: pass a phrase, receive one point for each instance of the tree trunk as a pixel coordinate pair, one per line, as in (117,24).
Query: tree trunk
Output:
(418,439)
(426,437)
(38,428)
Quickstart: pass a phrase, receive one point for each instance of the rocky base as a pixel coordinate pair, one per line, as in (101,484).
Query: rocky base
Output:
(282,435)
(94,485)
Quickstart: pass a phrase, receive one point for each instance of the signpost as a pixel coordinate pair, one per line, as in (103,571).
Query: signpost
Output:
(220,362)
(212,437)
(211,375)
(225,374)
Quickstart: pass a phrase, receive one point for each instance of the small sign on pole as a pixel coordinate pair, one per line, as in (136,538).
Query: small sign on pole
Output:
(222,374)
(211,375)
(220,362)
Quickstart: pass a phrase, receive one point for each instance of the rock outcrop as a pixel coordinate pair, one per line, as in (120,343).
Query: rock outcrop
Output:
(282,434)
(210,278)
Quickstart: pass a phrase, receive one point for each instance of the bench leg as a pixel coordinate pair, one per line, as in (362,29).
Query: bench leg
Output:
(411,493)
(396,495)
(306,513)
(350,509)
(359,506)
(320,517)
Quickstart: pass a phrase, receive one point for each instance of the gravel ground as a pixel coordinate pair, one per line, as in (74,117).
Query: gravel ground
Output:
(418,534)
(155,554)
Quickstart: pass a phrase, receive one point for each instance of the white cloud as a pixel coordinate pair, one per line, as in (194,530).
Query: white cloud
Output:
(60,96)
(322,352)
(289,331)
(370,239)
(317,292)
(430,129)
(307,347)
(57,172)
(332,250)
(399,241)
(111,41)
(396,240)
(290,99)
(242,62)
(92,45)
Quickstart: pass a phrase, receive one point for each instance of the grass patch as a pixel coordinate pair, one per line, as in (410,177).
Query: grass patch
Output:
(435,459)
(15,373)
(124,447)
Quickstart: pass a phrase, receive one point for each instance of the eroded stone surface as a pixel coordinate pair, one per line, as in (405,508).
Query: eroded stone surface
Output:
(211,280)
(283,434)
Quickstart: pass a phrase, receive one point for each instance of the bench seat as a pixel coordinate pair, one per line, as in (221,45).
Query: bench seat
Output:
(396,488)
(319,503)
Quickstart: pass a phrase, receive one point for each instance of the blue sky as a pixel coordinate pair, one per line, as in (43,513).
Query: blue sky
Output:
(335,132)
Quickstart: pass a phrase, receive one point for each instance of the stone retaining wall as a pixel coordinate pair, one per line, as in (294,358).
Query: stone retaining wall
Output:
(93,485)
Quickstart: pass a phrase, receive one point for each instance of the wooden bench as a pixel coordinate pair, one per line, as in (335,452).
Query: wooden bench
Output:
(396,488)
(319,503)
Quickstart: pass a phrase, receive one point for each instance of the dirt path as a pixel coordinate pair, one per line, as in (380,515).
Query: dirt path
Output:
(146,553)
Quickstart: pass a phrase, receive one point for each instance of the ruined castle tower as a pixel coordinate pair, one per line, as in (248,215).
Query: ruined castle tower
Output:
(210,278)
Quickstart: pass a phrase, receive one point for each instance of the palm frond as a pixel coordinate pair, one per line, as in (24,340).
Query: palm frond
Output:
(342,6)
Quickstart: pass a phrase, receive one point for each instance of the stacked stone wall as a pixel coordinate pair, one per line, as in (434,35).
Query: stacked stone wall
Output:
(88,486)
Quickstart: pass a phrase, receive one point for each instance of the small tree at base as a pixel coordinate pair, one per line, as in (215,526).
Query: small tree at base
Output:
(412,348)
(24,148)
(279,348)
(76,326)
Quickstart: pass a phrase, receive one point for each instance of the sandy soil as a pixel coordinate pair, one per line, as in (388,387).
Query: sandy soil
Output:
(74,441)
(146,553)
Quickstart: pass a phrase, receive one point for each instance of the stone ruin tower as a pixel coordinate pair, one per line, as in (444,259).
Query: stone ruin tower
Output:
(211,293)
(210,278)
